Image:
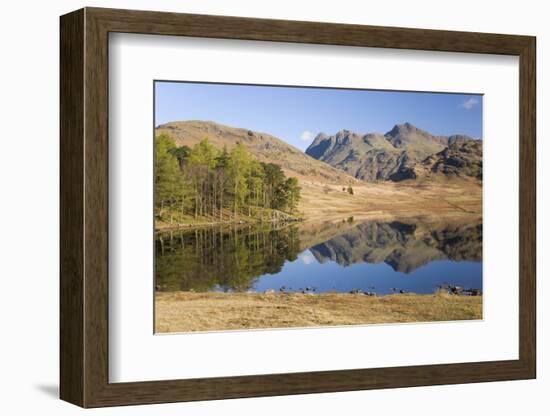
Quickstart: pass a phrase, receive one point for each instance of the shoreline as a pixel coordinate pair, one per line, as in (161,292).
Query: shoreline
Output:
(215,311)
(239,223)
(332,217)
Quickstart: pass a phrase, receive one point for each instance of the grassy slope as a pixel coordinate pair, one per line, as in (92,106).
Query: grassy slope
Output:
(185,311)
(409,198)
(263,146)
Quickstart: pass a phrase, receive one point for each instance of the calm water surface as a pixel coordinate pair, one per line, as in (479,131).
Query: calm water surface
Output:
(374,256)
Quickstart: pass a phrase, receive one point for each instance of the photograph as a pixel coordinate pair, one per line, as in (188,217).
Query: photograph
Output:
(251,209)
(299,206)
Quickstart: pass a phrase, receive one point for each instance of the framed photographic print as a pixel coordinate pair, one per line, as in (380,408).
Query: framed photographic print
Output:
(257,207)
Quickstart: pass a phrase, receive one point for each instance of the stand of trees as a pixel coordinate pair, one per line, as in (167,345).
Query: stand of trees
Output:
(205,181)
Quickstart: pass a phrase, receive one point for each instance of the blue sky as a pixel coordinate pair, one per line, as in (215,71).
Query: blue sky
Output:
(297,115)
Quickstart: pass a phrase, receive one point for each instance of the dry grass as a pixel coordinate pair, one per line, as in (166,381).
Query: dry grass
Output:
(455,197)
(187,311)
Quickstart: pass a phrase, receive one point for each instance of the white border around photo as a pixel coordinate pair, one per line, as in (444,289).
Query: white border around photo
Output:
(137,354)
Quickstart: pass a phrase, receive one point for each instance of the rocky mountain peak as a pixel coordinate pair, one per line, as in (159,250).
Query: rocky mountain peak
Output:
(373,156)
(402,128)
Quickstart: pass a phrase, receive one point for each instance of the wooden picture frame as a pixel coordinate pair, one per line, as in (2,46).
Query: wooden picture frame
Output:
(84,207)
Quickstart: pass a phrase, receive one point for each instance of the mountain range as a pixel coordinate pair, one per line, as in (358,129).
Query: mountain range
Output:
(404,152)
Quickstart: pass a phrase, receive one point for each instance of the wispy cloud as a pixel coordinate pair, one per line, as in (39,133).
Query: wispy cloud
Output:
(306,136)
(469,103)
(307,258)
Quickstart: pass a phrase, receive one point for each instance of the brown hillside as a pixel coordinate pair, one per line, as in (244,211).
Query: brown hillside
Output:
(263,146)
(461,159)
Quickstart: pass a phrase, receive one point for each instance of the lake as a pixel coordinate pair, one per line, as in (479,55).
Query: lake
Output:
(382,257)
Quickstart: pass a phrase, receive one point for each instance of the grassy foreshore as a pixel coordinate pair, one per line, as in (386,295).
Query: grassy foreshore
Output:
(189,311)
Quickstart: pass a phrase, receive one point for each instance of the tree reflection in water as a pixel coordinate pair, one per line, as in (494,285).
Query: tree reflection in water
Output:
(233,259)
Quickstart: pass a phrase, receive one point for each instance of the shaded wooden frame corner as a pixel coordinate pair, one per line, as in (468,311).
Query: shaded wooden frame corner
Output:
(84,207)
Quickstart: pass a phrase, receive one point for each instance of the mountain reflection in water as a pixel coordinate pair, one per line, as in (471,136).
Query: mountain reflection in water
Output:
(375,256)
